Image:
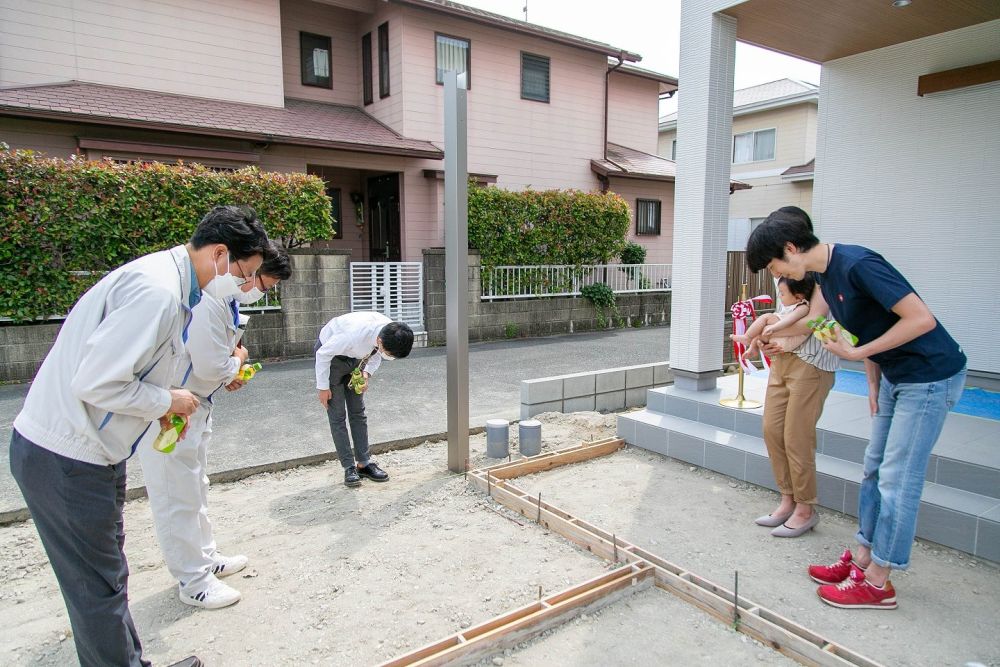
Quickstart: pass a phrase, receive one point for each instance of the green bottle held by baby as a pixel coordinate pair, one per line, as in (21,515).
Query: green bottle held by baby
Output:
(247,371)
(167,440)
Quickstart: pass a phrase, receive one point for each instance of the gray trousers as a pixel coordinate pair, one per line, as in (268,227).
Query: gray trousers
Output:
(347,406)
(77,509)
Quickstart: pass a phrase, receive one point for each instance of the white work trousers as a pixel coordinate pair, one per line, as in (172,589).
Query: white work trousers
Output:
(177,484)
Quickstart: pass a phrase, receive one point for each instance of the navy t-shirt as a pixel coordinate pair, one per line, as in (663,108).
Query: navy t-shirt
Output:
(861,288)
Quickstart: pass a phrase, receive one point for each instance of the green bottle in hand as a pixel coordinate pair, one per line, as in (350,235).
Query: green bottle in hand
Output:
(247,371)
(357,381)
(167,440)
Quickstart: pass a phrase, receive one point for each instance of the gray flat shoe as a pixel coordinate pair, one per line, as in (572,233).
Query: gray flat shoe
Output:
(785,531)
(772,520)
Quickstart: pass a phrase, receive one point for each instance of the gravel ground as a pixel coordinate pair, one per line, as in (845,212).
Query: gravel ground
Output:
(356,576)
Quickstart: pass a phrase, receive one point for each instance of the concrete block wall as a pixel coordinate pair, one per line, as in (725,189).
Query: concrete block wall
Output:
(491,320)
(605,390)
(318,290)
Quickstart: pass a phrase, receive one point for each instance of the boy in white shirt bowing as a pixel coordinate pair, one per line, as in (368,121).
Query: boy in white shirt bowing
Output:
(355,345)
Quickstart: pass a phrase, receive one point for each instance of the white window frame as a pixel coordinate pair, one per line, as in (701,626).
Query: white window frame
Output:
(754,133)
(673,150)
(468,59)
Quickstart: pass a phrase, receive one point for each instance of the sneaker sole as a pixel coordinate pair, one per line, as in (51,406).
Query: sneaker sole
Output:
(229,572)
(888,604)
(353,485)
(201,605)
(825,582)
(375,479)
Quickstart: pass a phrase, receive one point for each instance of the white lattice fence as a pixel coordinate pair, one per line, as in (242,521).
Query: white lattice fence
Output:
(395,289)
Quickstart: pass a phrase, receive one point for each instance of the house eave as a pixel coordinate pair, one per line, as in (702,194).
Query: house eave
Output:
(41,114)
(805,97)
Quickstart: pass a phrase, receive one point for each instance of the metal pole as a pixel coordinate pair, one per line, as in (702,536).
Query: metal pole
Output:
(456,275)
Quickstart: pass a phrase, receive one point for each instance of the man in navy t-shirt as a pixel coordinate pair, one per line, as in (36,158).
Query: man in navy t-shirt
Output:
(916,373)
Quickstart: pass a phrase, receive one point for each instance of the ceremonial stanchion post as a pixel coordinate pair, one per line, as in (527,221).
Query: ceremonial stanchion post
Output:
(740,402)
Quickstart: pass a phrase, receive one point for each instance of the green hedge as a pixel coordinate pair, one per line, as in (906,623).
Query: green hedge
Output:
(550,227)
(63,216)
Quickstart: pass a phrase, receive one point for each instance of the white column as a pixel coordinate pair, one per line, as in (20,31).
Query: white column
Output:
(701,205)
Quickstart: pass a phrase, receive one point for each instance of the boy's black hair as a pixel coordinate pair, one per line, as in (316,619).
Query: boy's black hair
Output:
(768,240)
(796,212)
(276,263)
(803,288)
(237,227)
(397,339)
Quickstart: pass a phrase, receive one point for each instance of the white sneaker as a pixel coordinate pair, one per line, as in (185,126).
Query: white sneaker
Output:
(215,596)
(227,565)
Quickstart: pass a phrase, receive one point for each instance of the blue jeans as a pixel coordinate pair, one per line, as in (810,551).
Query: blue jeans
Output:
(904,430)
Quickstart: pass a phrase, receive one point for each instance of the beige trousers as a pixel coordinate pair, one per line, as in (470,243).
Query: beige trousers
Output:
(796,392)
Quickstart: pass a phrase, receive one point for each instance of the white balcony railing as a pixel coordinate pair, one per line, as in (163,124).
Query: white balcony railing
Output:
(532,282)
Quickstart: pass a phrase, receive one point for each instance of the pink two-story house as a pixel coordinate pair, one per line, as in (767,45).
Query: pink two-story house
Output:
(348,90)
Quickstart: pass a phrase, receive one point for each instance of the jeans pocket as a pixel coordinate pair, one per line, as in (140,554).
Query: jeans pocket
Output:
(74,468)
(955,388)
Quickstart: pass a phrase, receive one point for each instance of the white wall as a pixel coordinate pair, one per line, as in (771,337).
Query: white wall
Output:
(915,178)
(224,49)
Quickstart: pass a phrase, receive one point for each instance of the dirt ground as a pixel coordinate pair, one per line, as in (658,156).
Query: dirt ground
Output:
(356,576)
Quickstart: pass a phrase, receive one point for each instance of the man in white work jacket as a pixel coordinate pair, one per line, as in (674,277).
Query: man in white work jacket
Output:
(358,340)
(104,383)
(177,482)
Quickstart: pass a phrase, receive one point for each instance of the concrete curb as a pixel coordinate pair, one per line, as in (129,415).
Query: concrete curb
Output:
(224,476)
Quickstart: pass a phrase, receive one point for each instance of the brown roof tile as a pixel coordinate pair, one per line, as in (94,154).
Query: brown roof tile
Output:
(299,122)
(625,162)
(800,169)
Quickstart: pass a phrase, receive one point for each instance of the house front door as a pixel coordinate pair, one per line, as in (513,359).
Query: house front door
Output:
(383,218)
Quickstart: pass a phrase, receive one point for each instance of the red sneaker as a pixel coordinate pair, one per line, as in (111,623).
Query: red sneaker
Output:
(833,574)
(856,593)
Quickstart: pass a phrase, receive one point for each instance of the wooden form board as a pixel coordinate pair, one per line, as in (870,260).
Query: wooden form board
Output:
(507,630)
(765,625)
(562,457)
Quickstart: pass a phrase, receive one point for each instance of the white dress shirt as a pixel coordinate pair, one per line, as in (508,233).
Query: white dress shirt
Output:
(352,335)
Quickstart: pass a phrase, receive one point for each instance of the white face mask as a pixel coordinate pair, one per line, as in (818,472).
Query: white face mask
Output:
(384,354)
(253,296)
(223,285)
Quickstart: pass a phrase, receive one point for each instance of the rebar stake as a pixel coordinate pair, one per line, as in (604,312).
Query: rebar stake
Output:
(539,519)
(614,541)
(736,600)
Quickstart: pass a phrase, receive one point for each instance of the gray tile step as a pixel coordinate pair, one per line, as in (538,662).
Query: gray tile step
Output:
(966,457)
(950,516)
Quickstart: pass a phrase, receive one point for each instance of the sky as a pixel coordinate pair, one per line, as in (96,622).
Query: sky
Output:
(650,28)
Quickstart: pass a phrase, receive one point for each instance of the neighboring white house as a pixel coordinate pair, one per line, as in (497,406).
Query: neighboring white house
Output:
(906,155)
(774,151)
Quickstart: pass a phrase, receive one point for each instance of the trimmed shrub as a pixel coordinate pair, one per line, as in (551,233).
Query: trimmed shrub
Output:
(63,223)
(551,227)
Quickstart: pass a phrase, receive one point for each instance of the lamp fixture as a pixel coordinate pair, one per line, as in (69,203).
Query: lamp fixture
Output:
(901,3)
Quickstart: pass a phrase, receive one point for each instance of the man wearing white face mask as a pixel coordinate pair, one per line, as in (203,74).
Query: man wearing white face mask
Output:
(355,341)
(101,388)
(177,483)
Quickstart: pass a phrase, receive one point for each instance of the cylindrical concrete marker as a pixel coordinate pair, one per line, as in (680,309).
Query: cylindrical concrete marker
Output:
(529,436)
(497,438)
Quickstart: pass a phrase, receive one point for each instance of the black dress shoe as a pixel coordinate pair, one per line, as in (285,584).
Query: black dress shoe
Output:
(191,661)
(374,473)
(351,477)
